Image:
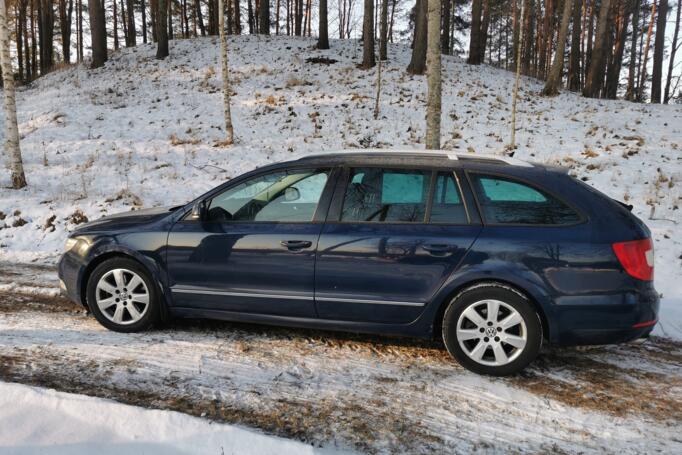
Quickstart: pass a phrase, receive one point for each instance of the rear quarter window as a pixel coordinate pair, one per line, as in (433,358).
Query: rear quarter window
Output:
(507,201)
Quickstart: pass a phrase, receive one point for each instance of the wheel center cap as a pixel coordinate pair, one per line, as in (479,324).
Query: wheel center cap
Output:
(490,331)
(124,296)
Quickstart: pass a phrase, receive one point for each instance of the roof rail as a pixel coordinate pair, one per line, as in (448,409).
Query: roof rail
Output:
(416,152)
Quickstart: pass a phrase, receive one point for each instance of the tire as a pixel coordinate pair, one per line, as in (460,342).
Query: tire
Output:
(117,305)
(500,345)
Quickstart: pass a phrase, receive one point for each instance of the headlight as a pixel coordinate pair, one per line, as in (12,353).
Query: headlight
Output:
(70,243)
(79,245)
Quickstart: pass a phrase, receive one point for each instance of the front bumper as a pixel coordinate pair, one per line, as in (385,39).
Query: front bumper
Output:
(69,270)
(607,319)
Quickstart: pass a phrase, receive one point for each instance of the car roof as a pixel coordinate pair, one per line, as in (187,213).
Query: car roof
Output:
(415,157)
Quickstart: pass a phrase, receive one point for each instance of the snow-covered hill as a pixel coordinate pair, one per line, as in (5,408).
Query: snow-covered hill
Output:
(142,132)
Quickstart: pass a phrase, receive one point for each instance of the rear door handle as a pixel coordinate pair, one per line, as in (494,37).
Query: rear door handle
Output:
(437,248)
(296,244)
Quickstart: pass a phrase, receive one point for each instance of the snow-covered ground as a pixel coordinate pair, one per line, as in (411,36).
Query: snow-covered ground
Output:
(142,132)
(364,393)
(46,422)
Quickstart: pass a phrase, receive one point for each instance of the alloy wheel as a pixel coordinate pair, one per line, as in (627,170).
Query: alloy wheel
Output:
(122,296)
(491,332)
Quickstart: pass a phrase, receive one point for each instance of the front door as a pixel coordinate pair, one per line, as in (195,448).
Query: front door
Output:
(396,237)
(254,251)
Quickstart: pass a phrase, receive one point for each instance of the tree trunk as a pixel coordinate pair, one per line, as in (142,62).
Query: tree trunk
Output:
(383,31)
(131,39)
(445,33)
(433,76)
(528,25)
(115,19)
(574,66)
(46,35)
(659,47)
(368,58)
(162,29)
(631,89)
(79,31)
(515,92)
(485,25)
(264,19)
(169,15)
(124,22)
(98,33)
(19,41)
(595,75)
(323,39)
(613,73)
(475,36)
(418,61)
(554,78)
(645,59)
(237,18)
(143,8)
(11,128)
(673,51)
(229,132)
(65,15)
(249,5)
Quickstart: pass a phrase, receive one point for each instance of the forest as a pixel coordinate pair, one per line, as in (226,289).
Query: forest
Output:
(602,48)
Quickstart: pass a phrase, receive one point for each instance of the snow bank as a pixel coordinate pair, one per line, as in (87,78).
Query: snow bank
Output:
(46,422)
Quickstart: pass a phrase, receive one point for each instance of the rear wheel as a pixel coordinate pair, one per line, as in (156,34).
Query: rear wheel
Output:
(492,329)
(122,296)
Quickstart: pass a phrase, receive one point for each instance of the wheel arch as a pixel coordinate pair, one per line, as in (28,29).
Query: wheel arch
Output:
(113,254)
(453,293)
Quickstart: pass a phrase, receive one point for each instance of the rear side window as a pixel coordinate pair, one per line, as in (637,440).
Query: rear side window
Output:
(505,201)
(447,202)
(386,195)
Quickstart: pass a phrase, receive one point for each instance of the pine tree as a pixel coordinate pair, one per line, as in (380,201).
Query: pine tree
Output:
(98,33)
(659,47)
(554,79)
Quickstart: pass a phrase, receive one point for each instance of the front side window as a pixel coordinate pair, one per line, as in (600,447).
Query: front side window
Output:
(386,195)
(286,196)
(504,201)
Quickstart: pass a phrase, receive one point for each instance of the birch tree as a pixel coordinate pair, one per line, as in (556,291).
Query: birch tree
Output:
(11,129)
(515,93)
(229,132)
(433,75)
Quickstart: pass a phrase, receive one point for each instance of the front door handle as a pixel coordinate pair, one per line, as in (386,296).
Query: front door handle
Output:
(296,244)
(437,248)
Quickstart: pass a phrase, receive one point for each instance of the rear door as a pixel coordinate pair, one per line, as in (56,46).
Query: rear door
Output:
(391,239)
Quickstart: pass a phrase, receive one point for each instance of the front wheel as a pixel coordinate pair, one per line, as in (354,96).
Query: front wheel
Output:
(491,329)
(122,296)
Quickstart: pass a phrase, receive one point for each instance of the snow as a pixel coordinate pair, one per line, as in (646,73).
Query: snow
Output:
(47,422)
(141,132)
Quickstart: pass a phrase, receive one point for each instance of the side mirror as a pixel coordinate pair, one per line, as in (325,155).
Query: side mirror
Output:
(291,194)
(198,211)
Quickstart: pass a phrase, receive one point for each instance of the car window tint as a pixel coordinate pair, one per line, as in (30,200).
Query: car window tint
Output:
(286,196)
(386,195)
(504,201)
(447,204)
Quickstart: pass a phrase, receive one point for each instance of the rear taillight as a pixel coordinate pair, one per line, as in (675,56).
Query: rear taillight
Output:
(637,258)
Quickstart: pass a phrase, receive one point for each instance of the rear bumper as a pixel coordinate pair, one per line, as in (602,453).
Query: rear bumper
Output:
(607,319)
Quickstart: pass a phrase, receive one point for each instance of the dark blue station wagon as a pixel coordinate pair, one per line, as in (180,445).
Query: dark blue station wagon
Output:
(492,254)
